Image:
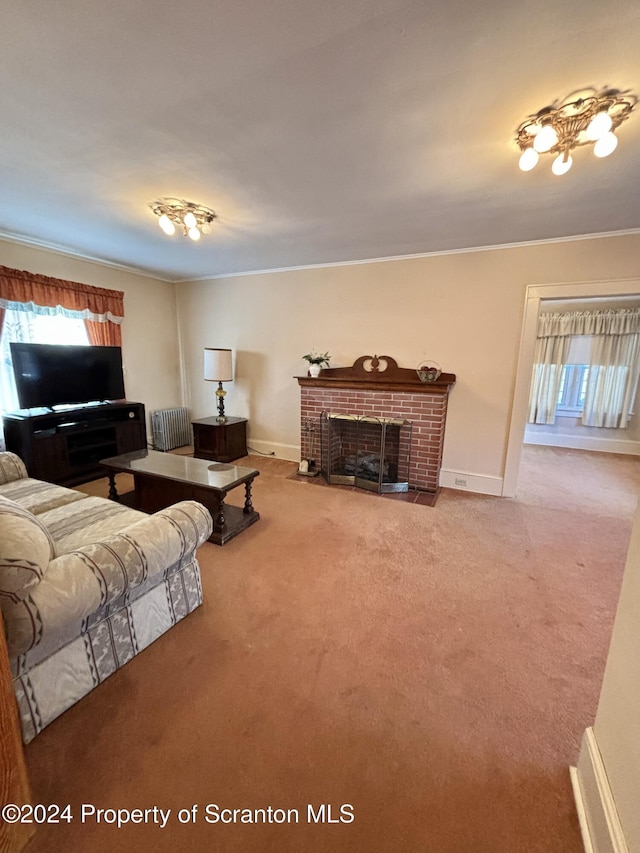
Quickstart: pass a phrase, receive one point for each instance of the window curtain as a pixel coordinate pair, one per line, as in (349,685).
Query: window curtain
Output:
(102,309)
(613,372)
(613,364)
(549,359)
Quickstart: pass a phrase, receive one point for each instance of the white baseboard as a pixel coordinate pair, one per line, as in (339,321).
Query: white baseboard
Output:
(601,445)
(466,482)
(290,452)
(599,821)
(581,809)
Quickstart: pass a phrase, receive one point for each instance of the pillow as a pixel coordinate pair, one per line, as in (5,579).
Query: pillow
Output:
(26,547)
(11,468)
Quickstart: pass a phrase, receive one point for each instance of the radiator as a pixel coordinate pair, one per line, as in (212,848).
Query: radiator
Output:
(171,428)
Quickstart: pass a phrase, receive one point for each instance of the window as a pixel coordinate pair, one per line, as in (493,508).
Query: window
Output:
(586,364)
(29,327)
(573,387)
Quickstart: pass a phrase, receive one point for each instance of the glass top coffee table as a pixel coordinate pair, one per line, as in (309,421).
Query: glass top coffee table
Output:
(162,479)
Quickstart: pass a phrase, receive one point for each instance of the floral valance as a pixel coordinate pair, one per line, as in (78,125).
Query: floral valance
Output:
(42,291)
(623,321)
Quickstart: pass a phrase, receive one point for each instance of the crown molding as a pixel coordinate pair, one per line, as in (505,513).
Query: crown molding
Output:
(444,252)
(32,242)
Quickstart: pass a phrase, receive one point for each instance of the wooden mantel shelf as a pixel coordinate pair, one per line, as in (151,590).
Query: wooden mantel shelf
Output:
(368,373)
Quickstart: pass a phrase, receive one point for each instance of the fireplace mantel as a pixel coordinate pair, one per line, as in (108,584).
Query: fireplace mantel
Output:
(367,373)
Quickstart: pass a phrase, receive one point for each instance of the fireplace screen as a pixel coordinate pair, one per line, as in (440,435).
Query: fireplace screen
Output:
(371,453)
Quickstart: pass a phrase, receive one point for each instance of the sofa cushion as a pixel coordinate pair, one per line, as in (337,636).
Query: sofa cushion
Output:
(38,496)
(11,467)
(86,521)
(26,547)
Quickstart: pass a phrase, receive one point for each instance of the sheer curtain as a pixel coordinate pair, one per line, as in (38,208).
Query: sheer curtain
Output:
(614,364)
(613,380)
(549,359)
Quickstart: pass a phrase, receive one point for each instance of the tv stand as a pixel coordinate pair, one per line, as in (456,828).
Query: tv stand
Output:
(66,446)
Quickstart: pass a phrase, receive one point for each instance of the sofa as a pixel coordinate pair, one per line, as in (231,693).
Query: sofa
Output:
(85,584)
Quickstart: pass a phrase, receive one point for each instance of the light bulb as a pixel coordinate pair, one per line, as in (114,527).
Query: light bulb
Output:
(189,220)
(194,233)
(167,225)
(545,139)
(561,166)
(599,125)
(528,159)
(605,145)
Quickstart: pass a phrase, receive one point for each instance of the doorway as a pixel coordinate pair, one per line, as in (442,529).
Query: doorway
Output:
(535,296)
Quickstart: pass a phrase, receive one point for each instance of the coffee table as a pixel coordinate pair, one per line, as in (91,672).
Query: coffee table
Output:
(162,479)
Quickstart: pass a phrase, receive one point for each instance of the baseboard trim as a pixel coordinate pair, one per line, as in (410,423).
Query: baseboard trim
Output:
(601,445)
(580,808)
(290,452)
(467,482)
(599,820)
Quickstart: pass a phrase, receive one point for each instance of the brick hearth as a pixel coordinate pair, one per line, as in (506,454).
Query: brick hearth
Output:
(392,393)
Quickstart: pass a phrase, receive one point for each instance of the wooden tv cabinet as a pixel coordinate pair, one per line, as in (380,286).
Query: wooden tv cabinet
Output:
(66,446)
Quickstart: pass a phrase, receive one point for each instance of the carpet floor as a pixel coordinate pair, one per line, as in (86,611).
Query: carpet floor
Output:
(431,668)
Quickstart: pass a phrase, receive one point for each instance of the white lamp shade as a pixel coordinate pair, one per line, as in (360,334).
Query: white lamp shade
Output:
(528,159)
(545,139)
(605,145)
(218,365)
(560,165)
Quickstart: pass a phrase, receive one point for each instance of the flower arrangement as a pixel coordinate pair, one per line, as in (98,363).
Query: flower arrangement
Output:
(314,358)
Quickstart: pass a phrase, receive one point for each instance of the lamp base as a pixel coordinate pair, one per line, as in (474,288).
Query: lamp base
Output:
(220,394)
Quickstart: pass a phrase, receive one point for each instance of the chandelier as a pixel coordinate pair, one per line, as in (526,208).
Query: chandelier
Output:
(193,219)
(585,117)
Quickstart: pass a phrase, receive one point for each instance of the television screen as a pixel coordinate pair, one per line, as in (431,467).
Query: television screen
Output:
(50,375)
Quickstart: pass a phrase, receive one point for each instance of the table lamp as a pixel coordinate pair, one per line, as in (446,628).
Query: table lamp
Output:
(218,367)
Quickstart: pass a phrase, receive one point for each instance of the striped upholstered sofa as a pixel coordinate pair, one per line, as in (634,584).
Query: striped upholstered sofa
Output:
(85,584)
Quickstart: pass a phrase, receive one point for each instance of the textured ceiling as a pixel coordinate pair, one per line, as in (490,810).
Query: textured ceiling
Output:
(319,132)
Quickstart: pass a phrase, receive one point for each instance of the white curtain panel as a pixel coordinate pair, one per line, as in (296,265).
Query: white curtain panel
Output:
(550,358)
(613,380)
(614,364)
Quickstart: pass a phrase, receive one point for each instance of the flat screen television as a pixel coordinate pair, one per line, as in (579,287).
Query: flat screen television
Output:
(49,375)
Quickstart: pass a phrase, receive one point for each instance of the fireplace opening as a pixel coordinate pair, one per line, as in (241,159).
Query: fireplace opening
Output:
(368,452)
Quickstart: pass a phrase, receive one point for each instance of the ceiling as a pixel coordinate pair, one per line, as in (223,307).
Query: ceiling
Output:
(319,132)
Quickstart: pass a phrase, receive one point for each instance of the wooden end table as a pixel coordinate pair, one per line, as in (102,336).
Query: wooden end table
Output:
(221,442)
(162,479)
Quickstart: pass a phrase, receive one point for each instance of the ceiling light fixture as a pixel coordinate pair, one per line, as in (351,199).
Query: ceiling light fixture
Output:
(584,117)
(193,219)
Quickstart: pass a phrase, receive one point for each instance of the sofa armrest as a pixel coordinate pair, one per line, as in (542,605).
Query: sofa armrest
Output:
(11,467)
(76,584)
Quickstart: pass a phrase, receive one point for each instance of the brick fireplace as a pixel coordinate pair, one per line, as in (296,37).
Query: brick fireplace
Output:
(376,387)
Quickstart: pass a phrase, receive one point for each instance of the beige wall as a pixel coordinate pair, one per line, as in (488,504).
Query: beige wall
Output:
(617,725)
(463,310)
(608,773)
(149,332)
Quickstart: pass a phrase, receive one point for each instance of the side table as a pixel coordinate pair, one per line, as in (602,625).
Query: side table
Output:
(220,442)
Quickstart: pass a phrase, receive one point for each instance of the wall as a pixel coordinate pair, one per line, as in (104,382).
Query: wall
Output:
(149,333)
(463,310)
(608,773)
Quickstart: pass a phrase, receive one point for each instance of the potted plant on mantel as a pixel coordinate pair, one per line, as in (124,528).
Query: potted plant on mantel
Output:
(316,361)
